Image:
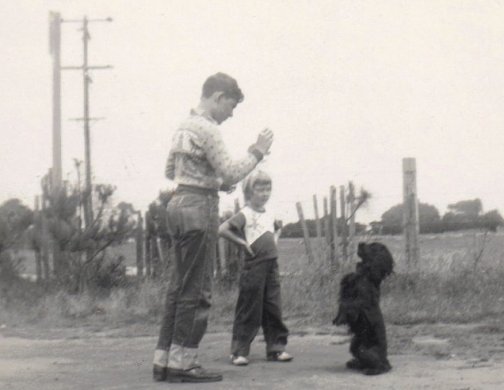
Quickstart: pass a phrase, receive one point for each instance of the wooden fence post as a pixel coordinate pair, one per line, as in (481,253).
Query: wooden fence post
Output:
(334,227)
(318,226)
(148,246)
(36,240)
(318,223)
(410,212)
(327,228)
(306,234)
(139,246)
(351,232)
(344,231)
(219,258)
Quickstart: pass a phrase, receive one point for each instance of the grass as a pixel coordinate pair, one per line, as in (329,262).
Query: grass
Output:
(458,279)
(455,281)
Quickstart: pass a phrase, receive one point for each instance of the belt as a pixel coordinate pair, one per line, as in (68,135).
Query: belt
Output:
(197,190)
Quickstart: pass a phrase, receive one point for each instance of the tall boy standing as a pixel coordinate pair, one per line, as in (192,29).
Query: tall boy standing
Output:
(201,166)
(259,302)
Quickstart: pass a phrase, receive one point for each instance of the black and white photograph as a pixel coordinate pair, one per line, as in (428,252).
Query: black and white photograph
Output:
(261,194)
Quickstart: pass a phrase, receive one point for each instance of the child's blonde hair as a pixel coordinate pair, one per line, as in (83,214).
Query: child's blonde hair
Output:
(256,177)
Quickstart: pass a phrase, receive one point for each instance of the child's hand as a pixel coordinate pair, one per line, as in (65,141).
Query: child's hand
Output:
(249,250)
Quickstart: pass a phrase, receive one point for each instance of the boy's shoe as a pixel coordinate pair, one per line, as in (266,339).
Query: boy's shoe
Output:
(239,360)
(279,357)
(159,373)
(195,375)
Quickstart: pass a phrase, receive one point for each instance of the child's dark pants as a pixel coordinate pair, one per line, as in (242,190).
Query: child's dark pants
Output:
(259,304)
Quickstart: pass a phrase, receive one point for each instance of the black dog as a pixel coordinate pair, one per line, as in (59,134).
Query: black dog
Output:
(359,308)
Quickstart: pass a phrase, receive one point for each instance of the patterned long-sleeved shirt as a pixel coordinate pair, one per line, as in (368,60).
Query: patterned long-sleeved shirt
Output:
(199,158)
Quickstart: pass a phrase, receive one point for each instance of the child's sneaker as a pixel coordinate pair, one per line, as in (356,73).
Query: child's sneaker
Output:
(239,360)
(279,357)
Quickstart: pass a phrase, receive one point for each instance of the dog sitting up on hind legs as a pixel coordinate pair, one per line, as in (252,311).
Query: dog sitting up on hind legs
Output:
(359,308)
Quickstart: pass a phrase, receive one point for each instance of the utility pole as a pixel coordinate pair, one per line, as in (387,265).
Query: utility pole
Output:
(54,50)
(85,68)
(88,211)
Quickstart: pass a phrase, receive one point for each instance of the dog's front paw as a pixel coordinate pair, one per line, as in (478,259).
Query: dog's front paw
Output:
(340,319)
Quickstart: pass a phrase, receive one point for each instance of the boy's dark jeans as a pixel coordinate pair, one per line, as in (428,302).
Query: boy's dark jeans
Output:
(193,220)
(259,304)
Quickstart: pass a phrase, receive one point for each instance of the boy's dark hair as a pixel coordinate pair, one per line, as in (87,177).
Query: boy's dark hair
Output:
(221,82)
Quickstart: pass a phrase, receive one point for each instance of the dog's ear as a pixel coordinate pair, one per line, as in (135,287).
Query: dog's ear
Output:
(361,250)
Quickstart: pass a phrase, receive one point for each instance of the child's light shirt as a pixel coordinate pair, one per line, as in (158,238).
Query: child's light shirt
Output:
(258,229)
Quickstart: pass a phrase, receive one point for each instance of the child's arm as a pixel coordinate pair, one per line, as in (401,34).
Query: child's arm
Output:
(226,230)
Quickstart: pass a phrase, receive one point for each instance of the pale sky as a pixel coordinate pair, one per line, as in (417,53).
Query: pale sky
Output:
(348,87)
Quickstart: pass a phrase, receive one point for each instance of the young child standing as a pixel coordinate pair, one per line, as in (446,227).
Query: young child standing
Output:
(259,302)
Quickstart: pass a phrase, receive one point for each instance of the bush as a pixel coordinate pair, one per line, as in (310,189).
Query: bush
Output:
(107,273)
(10,268)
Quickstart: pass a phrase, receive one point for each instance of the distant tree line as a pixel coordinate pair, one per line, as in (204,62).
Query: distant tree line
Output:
(462,215)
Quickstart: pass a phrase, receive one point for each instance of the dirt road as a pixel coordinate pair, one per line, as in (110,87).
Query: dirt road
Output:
(103,360)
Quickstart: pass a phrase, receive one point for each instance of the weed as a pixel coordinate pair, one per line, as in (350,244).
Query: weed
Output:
(446,287)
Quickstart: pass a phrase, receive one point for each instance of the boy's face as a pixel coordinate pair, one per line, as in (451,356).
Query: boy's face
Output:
(223,107)
(261,193)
